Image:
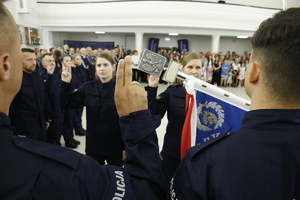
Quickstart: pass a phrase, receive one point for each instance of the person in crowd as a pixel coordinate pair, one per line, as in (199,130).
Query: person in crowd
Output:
(91,63)
(29,111)
(135,63)
(229,77)
(103,139)
(57,56)
(71,52)
(172,101)
(52,82)
(78,73)
(209,69)
(51,50)
(38,59)
(85,63)
(217,71)
(224,73)
(69,114)
(35,170)
(66,49)
(236,65)
(241,76)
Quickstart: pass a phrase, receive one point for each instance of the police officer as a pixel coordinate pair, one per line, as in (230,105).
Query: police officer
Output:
(29,111)
(103,139)
(172,101)
(34,170)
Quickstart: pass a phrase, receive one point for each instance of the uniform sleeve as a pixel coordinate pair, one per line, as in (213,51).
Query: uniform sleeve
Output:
(142,155)
(157,105)
(191,180)
(69,99)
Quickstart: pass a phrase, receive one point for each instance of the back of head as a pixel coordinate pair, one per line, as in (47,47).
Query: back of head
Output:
(192,56)
(5,28)
(276,46)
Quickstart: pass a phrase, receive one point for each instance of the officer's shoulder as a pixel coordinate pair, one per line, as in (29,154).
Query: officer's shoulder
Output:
(52,152)
(175,86)
(192,152)
(89,83)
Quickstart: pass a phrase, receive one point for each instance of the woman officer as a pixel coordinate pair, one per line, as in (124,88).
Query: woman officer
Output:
(103,138)
(172,101)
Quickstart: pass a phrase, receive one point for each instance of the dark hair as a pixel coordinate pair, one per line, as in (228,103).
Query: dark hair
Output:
(276,46)
(27,50)
(57,53)
(51,49)
(44,55)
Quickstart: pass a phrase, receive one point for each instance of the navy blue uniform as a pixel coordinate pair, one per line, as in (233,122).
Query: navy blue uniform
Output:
(103,138)
(34,170)
(53,83)
(259,161)
(29,110)
(172,101)
(79,78)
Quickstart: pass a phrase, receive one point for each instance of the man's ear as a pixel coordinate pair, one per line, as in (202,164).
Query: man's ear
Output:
(4,67)
(254,72)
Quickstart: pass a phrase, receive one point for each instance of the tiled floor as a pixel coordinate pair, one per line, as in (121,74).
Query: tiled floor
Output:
(239,91)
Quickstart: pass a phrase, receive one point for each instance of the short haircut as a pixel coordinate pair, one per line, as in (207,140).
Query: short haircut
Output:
(27,50)
(57,53)
(5,27)
(51,49)
(44,55)
(276,46)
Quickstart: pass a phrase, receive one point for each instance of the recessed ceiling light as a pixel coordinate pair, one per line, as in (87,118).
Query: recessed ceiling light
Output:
(99,32)
(242,37)
(175,34)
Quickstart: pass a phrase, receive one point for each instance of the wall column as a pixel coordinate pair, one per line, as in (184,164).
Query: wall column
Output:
(215,43)
(139,42)
(47,38)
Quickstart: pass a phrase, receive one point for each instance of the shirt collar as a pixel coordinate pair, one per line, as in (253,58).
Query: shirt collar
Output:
(272,119)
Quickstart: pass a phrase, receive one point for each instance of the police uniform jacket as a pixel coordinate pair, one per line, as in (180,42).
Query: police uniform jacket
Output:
(52,83)
(34,170)
(172,101)
(103,129)
(259,161)
(29,110)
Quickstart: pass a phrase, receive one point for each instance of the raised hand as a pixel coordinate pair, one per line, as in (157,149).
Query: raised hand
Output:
(129,96)
(152,81)
(66,74)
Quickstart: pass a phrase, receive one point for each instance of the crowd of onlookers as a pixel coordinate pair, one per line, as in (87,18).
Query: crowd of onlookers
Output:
(222,70)
(218,69)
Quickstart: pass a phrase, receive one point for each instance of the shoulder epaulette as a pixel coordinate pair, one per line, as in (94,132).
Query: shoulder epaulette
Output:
(194,150)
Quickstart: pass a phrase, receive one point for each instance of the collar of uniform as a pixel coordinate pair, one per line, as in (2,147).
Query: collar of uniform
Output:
(272,119)
(107,84)
(5,123)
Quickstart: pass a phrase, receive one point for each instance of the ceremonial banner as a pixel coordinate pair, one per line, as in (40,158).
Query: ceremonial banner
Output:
(207,116)
(183,45)
(153,44)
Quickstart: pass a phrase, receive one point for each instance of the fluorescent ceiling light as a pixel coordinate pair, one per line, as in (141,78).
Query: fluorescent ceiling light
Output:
(167,39)
(173,34)
(99,32)
(242,37)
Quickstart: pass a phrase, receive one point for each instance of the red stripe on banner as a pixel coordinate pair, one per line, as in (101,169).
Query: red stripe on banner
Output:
(186,130)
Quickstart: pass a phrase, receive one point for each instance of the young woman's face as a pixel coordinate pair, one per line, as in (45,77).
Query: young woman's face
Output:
(193,68)
(66,61)
(104,70)
(77,60)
